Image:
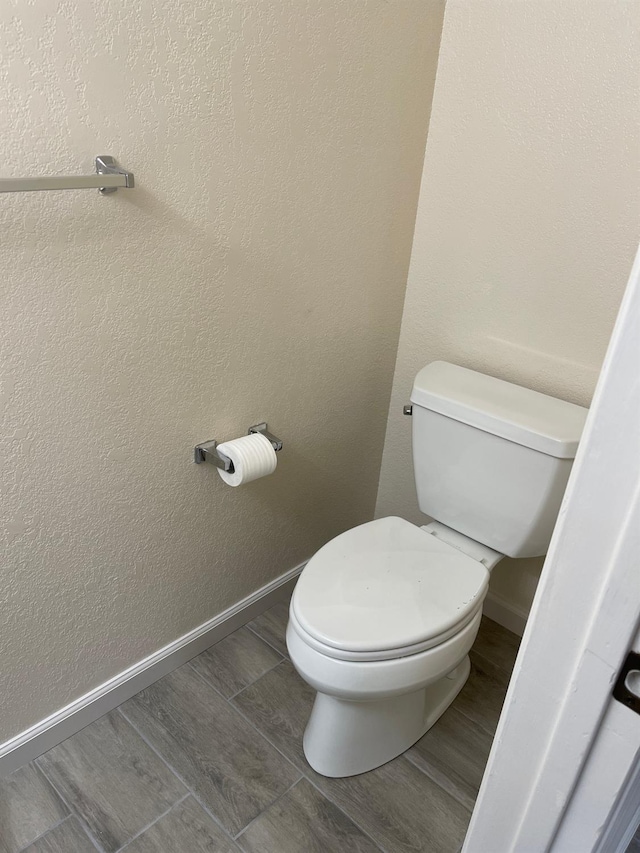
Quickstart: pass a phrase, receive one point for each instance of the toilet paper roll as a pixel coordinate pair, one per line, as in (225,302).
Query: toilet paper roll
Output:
(252,455)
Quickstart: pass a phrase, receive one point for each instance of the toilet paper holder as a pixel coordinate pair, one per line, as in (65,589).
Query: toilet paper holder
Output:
(207,451)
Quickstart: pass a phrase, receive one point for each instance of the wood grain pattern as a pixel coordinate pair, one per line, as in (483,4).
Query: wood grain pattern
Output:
(398,805)
(279,705)
(67,837)
(482,696)
(271,626)
(112,780)
(236,661)
(303,821)
(497,644)
(401,807)
(231,768)
(243,758)
(28,808)
(187,828)
(454,754)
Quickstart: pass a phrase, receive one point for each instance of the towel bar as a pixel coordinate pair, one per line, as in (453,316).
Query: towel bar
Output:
(107,179)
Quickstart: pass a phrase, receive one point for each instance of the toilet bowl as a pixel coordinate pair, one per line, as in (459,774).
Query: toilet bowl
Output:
(380,624)
(383,616)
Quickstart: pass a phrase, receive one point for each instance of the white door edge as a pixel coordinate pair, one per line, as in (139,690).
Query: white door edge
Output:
(583,620)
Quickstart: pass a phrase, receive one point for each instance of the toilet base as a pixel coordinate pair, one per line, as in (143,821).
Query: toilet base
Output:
(344,738)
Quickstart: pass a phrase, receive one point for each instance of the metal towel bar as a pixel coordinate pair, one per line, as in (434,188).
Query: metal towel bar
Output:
(107,179)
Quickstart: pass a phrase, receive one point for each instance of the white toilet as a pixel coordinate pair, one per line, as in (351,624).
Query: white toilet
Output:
(384,615)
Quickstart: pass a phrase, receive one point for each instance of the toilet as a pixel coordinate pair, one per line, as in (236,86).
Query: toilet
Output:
(383,616)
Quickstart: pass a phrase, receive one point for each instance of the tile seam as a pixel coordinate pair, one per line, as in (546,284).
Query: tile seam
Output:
(251,683)
(72,812)
(435,781)
(42,834)
(305,776)
(348,816)
(487,731)
(213,817)
(264,640)
(263,812)
(154,821)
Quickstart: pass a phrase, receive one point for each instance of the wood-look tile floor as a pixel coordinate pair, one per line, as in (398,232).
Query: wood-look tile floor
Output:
(210,758)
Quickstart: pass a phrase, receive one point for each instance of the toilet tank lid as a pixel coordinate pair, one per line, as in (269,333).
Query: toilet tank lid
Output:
(509,411)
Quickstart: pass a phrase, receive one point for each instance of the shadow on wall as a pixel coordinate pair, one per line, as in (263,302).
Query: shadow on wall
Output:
(515,582)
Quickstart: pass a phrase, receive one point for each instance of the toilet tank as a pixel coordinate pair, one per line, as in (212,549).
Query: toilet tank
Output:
(492,459)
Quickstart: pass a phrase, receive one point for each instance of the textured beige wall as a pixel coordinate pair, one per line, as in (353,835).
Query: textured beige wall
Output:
(528,217)
(257,272)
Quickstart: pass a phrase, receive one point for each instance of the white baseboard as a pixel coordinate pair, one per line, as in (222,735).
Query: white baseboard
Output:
(67,721)
(504,613)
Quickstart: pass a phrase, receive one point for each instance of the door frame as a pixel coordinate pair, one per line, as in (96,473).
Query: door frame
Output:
(583,621)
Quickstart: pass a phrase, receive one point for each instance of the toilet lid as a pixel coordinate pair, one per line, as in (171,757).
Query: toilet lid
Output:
(386,584)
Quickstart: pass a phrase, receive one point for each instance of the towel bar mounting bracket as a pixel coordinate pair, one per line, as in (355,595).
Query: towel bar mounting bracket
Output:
(106,165)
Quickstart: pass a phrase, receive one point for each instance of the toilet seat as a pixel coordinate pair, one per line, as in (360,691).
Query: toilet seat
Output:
(380,654)
(386,589)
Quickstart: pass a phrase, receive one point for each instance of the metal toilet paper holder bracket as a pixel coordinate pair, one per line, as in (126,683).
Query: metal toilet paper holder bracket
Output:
(208,452)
